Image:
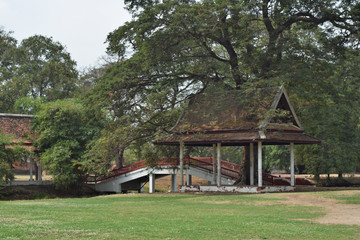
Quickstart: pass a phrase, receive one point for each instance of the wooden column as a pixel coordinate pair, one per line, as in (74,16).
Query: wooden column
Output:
(251,163)
(260,164)
(292,164)
(181,157)
(214,164)
(218,150)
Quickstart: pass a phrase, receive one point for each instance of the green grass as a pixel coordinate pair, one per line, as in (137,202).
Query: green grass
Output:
(166,216)
(342,196)
(355,199)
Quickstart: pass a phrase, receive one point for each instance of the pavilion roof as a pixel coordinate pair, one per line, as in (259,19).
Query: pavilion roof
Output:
(238,118)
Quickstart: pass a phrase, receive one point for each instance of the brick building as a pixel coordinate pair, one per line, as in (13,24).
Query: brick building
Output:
(19,127)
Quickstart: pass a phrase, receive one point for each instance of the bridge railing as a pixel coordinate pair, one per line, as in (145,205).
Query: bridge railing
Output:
(123,170)
(268,178)
(227,169)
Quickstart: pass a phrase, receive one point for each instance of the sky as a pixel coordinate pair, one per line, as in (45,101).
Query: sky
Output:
(80,25)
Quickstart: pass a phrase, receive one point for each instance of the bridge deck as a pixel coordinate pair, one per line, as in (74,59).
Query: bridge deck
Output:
(133,176)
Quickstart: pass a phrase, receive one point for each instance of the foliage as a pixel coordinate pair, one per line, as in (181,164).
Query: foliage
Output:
(65,128)
(329,107)
(8,53)
(333,182)
(9,153)
(276,157)
(28,105)
(38,67)
(174,49)
(46,69)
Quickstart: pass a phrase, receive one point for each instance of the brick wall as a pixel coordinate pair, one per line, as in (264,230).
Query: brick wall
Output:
(17,125)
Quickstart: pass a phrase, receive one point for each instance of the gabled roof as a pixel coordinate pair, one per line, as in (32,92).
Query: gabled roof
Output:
(237,118)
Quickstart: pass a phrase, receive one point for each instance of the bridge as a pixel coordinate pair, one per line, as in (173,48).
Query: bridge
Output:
(136,175)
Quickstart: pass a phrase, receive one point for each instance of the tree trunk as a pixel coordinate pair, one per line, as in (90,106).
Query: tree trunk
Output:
(244,175)
(317,172)
(119,157)
(245,166)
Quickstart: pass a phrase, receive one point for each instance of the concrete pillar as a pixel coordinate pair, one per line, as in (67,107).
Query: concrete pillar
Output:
(252,164)
(141,188)
(173,182)
(292,165)
(151,183)
(260,164)
(218,150)
(181,157)
(214,164)
(117,187)
(188,178)
(39,173)
(31,169)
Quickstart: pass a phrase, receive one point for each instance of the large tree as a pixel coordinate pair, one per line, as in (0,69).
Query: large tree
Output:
(8,55)
(64,129)
(172,49)
(37,67)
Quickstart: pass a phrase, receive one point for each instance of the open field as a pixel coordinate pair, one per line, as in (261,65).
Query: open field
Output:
(316,215)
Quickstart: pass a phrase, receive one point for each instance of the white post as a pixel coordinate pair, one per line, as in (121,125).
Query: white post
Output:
(151,183)
(214,163)
(292,162)
(181,157)
(173,182)
(218,150)
(31,169)
(260,164)
(251,163)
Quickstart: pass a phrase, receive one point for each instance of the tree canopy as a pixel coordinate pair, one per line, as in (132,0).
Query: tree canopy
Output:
(65,129)
(174,49)
(38,67)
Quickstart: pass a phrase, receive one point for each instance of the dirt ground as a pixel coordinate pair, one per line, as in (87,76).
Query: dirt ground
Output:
(164,184)
(336,212)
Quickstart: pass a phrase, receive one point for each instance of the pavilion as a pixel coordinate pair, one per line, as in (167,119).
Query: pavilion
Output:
(253,118)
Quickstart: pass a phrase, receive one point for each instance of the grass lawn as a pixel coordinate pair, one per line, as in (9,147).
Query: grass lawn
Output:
(169,216)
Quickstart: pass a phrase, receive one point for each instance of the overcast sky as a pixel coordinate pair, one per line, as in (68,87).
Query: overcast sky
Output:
(80,25)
